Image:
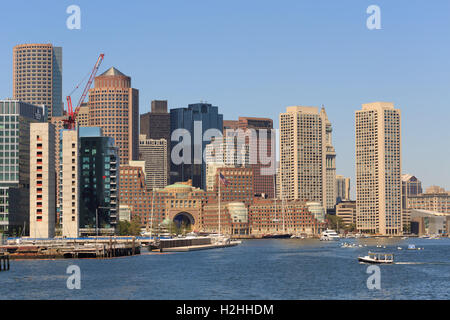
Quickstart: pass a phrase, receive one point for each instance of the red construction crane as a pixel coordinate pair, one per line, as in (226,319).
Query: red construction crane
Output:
(69,123)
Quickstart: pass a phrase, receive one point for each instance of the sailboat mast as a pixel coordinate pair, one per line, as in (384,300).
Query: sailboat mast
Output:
(153,203)
(220,182)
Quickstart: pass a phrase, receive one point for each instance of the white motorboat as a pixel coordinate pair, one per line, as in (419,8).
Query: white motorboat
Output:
(329,235)
(377,258)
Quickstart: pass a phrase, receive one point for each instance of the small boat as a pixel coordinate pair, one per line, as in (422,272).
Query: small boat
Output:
(378,258)
(399,248)
(329,235)
(276,236)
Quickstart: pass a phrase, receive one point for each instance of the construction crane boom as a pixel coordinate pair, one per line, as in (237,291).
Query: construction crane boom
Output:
(72,114)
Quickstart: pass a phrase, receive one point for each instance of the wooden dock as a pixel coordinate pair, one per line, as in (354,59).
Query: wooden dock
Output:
(73,248)
(4,261)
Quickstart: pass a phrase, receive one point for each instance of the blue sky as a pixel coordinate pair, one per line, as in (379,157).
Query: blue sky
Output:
(254,58)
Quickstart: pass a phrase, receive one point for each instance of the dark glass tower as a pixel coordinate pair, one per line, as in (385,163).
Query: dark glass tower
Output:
(99,162)
(185,118)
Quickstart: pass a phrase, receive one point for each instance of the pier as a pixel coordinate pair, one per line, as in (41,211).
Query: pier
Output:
(72,248)
(4,261)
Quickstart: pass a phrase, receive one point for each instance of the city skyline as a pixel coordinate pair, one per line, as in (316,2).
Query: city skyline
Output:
(279,75)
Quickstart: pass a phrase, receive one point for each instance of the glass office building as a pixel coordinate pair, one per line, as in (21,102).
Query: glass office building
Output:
(15,119)
(196,117)
(98,167)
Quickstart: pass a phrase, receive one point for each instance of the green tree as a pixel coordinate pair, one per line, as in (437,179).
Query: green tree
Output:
(129,228)
(335,223)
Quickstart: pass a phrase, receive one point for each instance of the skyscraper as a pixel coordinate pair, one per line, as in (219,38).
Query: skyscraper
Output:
(303,155)
(154,153)
(264,145)
(194,120)
(156,125)
(342,188)
(330,162)
(114,107)
(378,169)
(42,180)
(15,119)
(37,76)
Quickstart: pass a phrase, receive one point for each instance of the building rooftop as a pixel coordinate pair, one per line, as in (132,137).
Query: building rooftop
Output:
(112,72)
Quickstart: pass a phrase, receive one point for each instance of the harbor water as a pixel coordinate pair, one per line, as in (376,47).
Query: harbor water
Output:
(257,269)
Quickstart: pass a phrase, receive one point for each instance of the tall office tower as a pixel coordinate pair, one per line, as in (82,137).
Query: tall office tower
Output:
(195,120)
(261,158)
(378,169)
(69,182)
(114,107)
(330,162)
(303,155)
(83,115)
(156,125)
(37,76)
(42,180)
(98,193)
(154,153)
(342,188)
(15,119)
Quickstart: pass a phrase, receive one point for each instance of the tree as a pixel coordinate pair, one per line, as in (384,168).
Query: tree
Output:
(127,228)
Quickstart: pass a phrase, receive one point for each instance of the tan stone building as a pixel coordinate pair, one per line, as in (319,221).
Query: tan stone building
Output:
(378,169)
(42,180)
(83,115)
(347,211)
(114,107)
(69,179)
(37,76)
(303,174)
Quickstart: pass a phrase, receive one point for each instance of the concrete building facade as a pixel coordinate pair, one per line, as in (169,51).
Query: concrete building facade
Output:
(303,174)
(378,169)
(154,153)
(42,181)
(69,183)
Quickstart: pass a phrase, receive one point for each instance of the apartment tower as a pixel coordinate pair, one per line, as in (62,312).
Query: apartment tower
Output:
(378,169)
(42,180)
(303,155)
(37,76)
(69,180)
(114,107)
